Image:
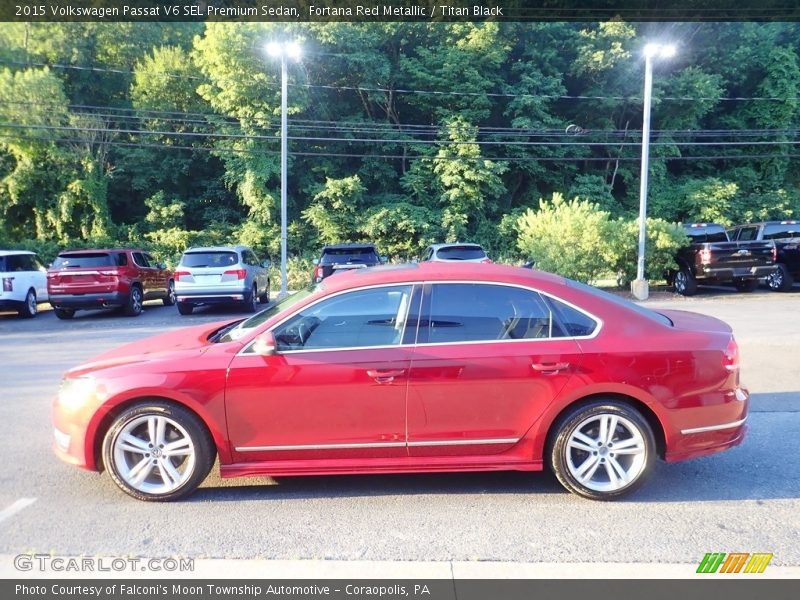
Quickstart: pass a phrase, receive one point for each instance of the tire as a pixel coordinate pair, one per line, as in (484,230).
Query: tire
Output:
(572,456)
(169,299)
(780,280)
(251,300)
(185,308)
(133,307)
(64,313)
(264,298)
(29,308)
(684,283)
(746,285)
(134,455)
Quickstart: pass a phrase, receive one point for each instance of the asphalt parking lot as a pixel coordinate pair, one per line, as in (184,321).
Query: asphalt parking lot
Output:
(744,500)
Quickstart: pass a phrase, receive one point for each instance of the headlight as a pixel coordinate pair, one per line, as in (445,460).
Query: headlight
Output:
(76,392)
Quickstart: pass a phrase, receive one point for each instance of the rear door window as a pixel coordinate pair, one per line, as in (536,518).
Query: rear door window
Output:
(747,234)
(472,312)
(701,234)
(84,261)
(214,259)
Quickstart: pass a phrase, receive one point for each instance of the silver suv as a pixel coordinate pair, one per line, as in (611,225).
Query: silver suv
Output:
(221,275)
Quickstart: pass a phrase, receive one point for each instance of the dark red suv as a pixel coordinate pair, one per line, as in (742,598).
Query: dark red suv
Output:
(119,278)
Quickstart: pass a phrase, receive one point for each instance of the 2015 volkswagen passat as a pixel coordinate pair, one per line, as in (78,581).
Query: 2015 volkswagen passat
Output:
(414,368)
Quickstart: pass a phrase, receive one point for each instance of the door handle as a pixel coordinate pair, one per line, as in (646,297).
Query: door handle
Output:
(550,367)
(385,375)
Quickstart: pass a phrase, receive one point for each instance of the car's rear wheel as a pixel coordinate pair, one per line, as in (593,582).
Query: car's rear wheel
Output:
(746,285)
(251,300)
(158,451)
(602,450)
(780,280)
(29,308)
(133,307)
(64,313)
(684,282)
(169,299)
(264,298)
(185,308)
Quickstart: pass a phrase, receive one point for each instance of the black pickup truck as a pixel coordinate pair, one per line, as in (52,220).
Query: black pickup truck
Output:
(712,258)
(786,235)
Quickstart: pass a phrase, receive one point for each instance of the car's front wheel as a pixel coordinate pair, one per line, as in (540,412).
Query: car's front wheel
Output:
(185,308)
(602,450)
(64,313)
(169,299)
(746,285)
(158,451)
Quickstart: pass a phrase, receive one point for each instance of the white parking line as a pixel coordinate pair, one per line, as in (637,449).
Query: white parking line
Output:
(15,508)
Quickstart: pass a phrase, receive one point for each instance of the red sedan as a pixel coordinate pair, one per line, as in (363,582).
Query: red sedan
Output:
(413,368)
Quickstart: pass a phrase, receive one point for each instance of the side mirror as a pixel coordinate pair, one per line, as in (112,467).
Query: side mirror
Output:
(266,263)
(315,262)
(264,344)
(161,266)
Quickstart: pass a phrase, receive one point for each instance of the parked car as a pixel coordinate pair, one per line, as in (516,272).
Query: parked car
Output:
(456,252)
(786,236)
(337,258)
(117,278)
(712,258)
(221,275)
(24,282)
(413,368)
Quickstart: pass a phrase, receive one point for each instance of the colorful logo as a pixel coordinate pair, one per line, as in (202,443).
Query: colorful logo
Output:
(737,562)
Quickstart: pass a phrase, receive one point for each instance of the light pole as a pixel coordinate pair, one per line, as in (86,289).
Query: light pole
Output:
(283,50)
(639,287)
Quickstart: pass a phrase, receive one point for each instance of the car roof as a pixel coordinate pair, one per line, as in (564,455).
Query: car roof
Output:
(425,271)
(98,250)
(348,246)
(15,252)
(236,248)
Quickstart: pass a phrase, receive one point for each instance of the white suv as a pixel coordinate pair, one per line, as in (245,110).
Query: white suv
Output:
(23,282)
(456,251)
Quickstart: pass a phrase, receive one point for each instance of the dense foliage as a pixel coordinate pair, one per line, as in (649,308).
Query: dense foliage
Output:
(167,134)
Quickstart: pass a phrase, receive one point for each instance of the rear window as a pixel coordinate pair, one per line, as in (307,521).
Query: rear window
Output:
(777,232)
(353,255)
(708,233)
(2,263)
(461,253)
(82,261)
(645,312)
(199,260)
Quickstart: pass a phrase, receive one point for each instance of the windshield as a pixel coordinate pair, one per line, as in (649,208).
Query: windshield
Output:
(256,320)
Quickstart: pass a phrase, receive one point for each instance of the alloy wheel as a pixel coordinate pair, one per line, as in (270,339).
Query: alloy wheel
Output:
(154,454)
(606,453)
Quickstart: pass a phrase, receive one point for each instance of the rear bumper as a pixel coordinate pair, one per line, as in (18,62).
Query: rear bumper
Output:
(732,273)
(709,436)
(88,301)
(207,299)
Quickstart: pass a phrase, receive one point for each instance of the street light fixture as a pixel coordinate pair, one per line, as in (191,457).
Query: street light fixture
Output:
(639,287)
(283,50)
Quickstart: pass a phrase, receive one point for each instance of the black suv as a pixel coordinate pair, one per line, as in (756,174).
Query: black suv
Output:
(342,257)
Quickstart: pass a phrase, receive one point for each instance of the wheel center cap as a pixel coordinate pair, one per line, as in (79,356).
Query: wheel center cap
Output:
(156,452)
(603,451)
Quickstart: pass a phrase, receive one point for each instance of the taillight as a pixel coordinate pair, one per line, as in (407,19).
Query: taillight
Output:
(179,274)
(318,273)
(113,273)
(486,260)
(8,286)
(731,358)
(774,253)
(705,256)
(239,273)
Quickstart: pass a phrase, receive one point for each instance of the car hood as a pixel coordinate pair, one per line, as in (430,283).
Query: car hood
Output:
(180,343)
(684,319)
